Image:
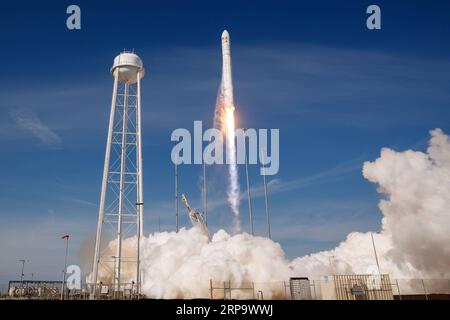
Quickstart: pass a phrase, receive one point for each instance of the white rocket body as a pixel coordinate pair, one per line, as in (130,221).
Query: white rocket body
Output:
(227,82)
(197,218)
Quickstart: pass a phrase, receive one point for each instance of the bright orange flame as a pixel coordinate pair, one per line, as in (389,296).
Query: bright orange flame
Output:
(229,121)
(233,187)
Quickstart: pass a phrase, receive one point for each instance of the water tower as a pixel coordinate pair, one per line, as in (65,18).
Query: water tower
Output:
(121,202)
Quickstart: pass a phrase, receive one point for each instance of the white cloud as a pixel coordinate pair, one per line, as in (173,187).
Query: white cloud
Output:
(28,120)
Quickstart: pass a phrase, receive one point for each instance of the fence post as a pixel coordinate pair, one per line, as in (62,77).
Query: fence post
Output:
(211,288)
(253,287)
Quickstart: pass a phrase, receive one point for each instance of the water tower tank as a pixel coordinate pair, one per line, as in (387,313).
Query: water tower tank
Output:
(127,64)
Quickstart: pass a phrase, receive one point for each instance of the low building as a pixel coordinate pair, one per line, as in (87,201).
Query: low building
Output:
(35,289)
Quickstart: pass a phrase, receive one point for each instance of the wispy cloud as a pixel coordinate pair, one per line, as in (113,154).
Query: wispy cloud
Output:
(361,86)
(279,186)
(28,120)
(80,201)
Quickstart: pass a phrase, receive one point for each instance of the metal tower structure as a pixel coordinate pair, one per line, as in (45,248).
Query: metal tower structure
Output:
(121,200)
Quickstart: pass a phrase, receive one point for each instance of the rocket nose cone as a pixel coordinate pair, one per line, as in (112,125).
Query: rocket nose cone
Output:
(225,34)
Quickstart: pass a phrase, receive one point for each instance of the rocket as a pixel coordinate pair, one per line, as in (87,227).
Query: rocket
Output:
(197,218)
(227,81)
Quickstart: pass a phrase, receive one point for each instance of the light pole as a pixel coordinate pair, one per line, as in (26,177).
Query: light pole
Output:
(266,201)
(23,268)
(375,251)
(205,194)
(22,274)
(176,194)
(250,212)
(63,285)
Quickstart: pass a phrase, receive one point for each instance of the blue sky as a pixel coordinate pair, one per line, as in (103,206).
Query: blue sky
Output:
(337,91)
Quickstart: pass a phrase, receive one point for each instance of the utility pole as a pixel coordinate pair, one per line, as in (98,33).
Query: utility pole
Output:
(375,251)
(249,198)
(266,201)
(63,285)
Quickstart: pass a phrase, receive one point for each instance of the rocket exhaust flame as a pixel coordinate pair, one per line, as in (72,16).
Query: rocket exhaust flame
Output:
(233,187)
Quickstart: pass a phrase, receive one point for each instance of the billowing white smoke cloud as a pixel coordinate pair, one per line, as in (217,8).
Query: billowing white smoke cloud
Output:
(414,241)
(181,265)
(417,210)
(415,238)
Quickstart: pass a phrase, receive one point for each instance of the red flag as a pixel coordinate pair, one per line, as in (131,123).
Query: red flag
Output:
(66,236)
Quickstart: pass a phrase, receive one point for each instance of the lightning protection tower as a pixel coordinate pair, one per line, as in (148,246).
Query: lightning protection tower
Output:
(121,203)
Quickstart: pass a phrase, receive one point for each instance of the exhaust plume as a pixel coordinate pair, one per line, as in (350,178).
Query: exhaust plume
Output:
(224,121)
(414,241)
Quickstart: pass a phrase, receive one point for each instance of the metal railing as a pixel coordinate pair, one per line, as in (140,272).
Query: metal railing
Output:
(349,287)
